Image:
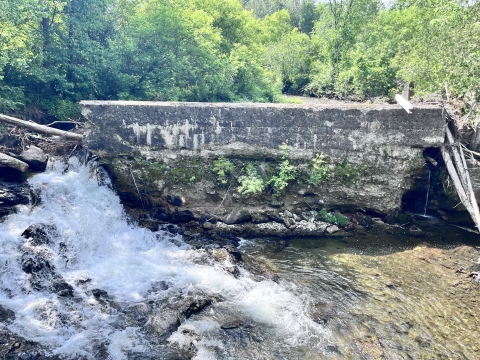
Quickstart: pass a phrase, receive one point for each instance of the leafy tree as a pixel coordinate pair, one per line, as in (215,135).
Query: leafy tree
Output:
(289,58)
(308,16)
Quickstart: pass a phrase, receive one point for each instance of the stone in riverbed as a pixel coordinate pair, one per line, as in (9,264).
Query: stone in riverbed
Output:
(208,225)
(6,314)
(232,325)
(32,264)
(259,217)
(38,234)
(63,289)
(237,216)
(332,229)
(235,255)
(176,200)
(12,194)
(415,231)
(182,216)
(35,158)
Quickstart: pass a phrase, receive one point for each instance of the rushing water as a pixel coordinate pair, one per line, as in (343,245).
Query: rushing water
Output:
(379,295)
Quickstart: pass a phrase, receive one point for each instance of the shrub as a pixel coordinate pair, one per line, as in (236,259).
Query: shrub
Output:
(222,167)
(337,219)
(252,182)
(320,170)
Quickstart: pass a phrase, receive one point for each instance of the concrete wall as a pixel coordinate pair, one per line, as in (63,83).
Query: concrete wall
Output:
(118,127)
(382,142)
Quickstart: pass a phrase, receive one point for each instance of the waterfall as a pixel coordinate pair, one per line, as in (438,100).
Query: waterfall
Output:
(127,281)
(428,192)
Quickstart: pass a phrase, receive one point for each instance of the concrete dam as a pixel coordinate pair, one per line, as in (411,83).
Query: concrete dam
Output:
(169,155)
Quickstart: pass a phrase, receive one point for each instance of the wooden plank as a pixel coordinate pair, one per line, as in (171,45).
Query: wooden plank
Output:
(404,103)
(456,180)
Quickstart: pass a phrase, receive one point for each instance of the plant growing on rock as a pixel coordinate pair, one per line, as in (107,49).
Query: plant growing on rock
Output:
(320,170)
(333,218)
(252,182)
(286,172)
(346,172)
(222,167)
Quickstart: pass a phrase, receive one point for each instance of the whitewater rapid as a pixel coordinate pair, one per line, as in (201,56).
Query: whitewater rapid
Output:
(93,245)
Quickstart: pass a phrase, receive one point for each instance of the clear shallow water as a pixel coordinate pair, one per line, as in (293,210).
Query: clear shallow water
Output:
(386,294)
(382,295)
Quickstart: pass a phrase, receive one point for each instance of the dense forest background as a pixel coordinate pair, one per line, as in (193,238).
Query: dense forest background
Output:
(54,53)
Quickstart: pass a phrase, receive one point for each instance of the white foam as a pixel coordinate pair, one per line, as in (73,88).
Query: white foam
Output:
(95,241)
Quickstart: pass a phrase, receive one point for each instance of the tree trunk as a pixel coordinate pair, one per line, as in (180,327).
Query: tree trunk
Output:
(40,128)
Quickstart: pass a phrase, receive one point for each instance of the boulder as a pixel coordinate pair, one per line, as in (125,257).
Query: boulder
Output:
(259,217)
(38,234)
(235,255)
(176,200)
(332,229)
(35,158)
(237,216)
(184,216)
(32,264)
(62,288)
(6,314)
(208,225)
(309,228)
(12,194)
(275,217)
(207,218)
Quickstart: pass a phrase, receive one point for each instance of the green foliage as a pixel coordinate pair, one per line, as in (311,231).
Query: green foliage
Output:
(54,53)
(320,170)
(337,219)
(223,167)
(252,182)
(346,172)
(152,170)
(280,181)
(286,172)
(308,16)
(290,60)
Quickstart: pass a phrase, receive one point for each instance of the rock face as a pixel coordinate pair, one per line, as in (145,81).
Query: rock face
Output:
(373,152)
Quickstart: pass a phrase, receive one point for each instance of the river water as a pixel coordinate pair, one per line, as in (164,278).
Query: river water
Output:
(383,294)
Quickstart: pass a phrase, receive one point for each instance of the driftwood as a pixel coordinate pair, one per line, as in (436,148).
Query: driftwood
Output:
(13,163)
(457,169)
(455,179)
(40,128)
(404,103)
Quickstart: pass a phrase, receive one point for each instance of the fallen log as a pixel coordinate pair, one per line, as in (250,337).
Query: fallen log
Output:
(13,163)
(40,128)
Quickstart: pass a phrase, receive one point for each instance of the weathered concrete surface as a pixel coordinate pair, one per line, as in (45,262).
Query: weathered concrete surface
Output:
(375,151)
(120,127)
